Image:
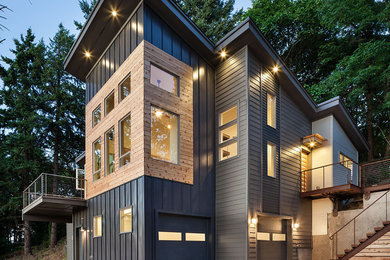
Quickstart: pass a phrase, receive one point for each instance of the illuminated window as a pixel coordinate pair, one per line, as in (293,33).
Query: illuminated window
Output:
(110,151)
(278,237)
(126,220)
(271,110)
(271,153)
(263,236)
(124,88)
(228,133)
(96,116)
(164,80)
(346,161)
(97,156)
(169,236)
(97,226)
(125,141)
(164,135)
(109,103)
(196,237)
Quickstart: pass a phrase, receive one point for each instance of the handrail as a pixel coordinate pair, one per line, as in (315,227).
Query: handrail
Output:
(384,194)
(323,166)
(54,175)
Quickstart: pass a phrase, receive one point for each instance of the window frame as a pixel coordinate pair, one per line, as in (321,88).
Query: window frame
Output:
(224,126)
(93,115)
(93,160)
(120,156)
(105,102)
(274,109)
(170,73)
(274,160)
(128,76)
(120,219)
(347,160)
(101,228)
(106,154)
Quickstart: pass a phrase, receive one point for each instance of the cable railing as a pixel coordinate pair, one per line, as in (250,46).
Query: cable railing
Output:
(54,185)
(376,173)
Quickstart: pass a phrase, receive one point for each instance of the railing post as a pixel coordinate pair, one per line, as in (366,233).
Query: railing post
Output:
(323,177)
(386,206)
(42,185)
(354,230)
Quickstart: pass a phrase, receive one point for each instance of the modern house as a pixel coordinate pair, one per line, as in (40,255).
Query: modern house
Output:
(196,150)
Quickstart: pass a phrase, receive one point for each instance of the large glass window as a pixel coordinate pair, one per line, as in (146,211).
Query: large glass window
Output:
(97,155)
(124,88)
(164,135)
(126,220)
(271,110)
(97,226)
(109,103)
(228,133)
(271,153)
(164,80)
(96,116)
(125,141)
(110,151)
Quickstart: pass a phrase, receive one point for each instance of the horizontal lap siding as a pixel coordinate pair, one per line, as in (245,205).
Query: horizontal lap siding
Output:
(231,175)
(294,125)
(112,244)
(165,195)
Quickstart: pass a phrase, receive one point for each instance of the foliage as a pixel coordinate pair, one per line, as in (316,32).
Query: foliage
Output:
(86,7)
(215,18)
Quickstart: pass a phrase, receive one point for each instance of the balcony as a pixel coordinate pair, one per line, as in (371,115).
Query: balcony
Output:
(53,197)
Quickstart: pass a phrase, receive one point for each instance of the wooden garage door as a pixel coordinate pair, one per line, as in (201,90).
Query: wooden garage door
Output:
(271,239)
(181,237)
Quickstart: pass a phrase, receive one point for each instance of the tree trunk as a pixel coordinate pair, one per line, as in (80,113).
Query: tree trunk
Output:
(369,128)
(53,235)
(27,238)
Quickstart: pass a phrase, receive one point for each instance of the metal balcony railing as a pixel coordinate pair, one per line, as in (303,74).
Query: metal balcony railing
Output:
(376,173)
(54,185)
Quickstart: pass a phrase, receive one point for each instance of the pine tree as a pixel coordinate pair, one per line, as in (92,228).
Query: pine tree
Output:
(215,18)
(86,7)
(20,123)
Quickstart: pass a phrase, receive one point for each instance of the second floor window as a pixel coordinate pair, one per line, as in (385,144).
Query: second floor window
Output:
(164,135)
(124,88)
(345,161)
(96,116)
(97,156)
(271,154)
(110,151)
(164,80)
(271,110)
(109,103)
(125,141)
(228,133)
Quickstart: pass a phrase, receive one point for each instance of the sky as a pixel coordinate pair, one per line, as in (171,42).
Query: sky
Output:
(44,16)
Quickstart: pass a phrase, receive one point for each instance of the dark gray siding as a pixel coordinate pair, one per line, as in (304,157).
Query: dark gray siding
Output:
(112,244)
(120,48)
(231,174)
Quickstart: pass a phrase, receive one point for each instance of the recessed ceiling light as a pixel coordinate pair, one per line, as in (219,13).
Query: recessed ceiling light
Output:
(114,13)
(275,69)
(223,54)
(87,54)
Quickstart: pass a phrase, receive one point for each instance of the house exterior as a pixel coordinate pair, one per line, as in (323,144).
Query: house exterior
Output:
(195,150)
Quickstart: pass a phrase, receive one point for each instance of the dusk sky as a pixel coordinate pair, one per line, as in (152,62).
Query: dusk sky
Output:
(44,16)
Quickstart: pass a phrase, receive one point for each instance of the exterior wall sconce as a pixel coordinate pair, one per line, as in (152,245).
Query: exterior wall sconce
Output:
(295,226)
(252,222)
(313,141)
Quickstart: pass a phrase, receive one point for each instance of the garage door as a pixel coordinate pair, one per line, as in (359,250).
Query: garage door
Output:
(181,237)
(272,239)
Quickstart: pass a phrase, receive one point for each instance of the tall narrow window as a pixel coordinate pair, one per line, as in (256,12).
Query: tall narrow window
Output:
(124,88)
(345,161)
(97,155)
(126,220)
(271,110)
(228,133)
(109,103)
(125,141)
(110,151)
(96,116)
(271,153)
(97,226)
(164,135)
(164,80)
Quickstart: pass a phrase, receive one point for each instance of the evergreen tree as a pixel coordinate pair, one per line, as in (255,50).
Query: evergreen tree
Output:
(20,124)
(86,7)
(63,107)
(215,18)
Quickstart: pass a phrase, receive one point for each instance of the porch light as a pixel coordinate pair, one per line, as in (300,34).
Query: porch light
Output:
(295,226)
(313,141)
(254,221)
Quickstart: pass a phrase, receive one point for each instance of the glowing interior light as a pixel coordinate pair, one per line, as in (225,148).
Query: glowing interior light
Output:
(312,144)
(87,54)
(158,113)
(169,126)
(114,13)
(223,54)
(275,69)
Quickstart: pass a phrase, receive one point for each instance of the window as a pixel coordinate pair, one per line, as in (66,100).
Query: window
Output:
(164,135)
(271,160)
(97,226)
(271,110)
(96,116)
(278,237)
(109,103)
(164,80)
(346,161)
(228,133)
(126,220)
(125,141)
(169,236)
(198,237)
(110,151)
(97,155)
(124,88)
